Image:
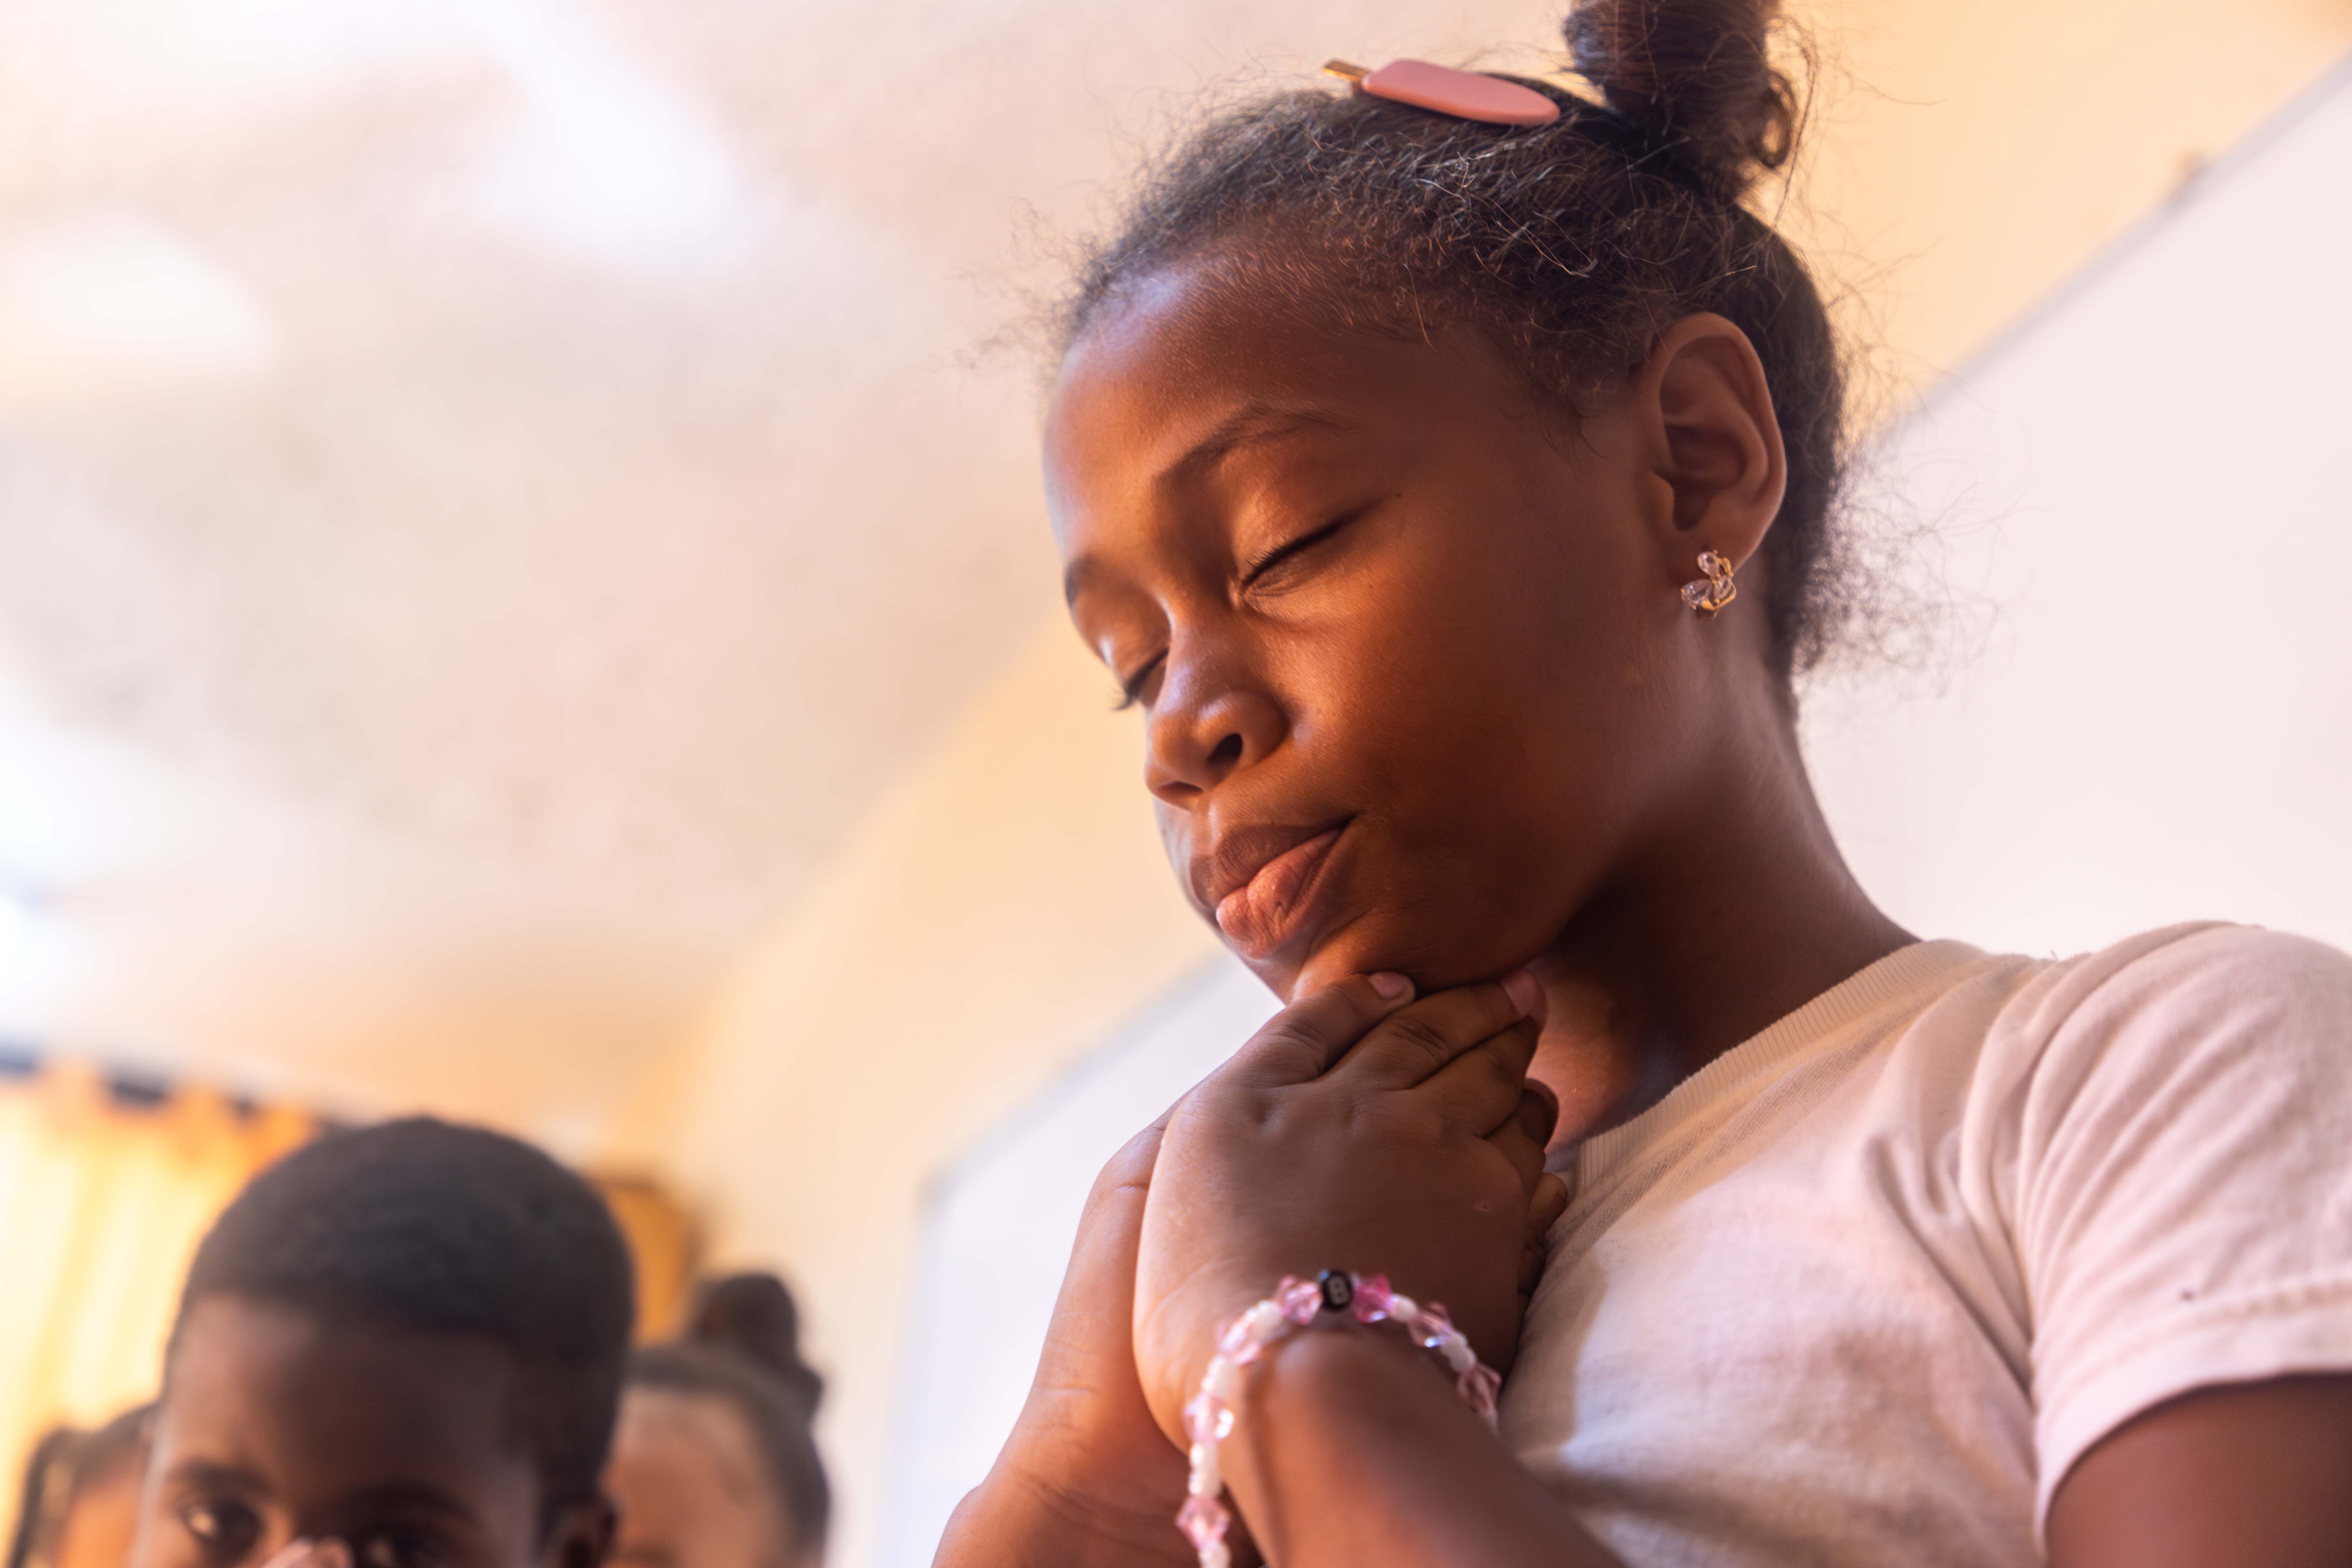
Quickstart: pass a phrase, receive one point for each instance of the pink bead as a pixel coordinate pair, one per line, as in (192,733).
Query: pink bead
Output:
(1477,1387)
(1463,94)
(1203,1522)
(1208,1419)
(1432,1326)
(1300,1299)
(1373,1299)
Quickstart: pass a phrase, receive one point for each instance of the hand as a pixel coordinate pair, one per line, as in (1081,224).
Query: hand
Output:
(1359,1129)
(1087,1475)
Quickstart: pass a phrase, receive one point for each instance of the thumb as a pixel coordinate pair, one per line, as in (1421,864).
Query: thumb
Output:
(1098,1287)
(1301,1042)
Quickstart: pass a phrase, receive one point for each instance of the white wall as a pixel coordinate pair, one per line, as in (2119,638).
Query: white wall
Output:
(2146,502)
(998,1230)
(2147,713)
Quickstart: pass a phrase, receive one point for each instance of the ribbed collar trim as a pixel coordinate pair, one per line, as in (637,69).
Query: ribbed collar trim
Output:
(1902,976)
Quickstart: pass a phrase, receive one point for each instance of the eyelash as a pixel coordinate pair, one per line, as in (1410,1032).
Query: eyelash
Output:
(1260,565)
(1131,689)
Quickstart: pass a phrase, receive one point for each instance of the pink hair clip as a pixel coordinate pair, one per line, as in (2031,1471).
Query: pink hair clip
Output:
(1465,95)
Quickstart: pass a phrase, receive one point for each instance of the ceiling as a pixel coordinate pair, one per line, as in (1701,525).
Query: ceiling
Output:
(492,493)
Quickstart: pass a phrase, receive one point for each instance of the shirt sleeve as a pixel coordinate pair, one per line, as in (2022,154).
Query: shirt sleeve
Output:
(2183,1199)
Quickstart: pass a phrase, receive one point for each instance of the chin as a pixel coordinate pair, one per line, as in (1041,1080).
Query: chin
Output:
(1433,954)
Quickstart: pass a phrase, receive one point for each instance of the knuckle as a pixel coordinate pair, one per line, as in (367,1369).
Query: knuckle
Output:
(1422,1036)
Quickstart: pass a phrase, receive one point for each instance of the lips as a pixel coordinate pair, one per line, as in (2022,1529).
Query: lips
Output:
(1259,882)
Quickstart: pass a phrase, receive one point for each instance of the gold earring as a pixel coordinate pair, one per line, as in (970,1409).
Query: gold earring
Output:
(1716,590)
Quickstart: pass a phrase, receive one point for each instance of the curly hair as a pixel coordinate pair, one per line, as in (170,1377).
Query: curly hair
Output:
(1571,247)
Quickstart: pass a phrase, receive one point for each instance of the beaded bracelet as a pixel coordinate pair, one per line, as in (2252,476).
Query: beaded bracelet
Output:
(1295,1302)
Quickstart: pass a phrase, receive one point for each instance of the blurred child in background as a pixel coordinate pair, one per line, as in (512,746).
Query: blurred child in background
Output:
(402,1345)
(714,1465)
(79,1504)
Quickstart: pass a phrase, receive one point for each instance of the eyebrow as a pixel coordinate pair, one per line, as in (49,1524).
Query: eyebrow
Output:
(213,1473)
(1252,424)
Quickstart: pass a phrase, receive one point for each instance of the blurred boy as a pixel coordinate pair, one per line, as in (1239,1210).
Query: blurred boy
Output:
(404,1344)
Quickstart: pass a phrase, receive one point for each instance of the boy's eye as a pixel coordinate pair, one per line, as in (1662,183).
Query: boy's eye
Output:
(226,1530)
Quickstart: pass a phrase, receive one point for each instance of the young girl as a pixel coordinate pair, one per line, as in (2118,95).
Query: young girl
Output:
(1456,497)
(713,1463)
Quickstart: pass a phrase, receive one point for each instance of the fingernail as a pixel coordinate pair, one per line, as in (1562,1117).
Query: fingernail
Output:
(1524,993)
(1392,987)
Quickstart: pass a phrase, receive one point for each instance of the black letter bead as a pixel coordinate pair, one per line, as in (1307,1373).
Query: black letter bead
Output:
(1339,1289)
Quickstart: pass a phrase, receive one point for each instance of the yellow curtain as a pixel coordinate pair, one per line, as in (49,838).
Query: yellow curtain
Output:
(101,1205)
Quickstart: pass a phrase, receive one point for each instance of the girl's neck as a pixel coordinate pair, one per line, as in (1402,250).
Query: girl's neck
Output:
(1738,915)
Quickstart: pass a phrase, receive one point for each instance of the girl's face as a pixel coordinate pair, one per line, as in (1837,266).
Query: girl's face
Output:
(1407,645)
(97,1527)
(692,1489)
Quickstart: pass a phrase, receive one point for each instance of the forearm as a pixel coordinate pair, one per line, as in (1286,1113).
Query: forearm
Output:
(1014,1520)
(1352,1449)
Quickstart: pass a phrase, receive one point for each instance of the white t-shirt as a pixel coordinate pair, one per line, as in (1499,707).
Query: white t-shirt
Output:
(1861,1290)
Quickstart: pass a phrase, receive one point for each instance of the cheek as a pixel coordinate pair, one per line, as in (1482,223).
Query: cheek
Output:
(1512,687)
(1503,726)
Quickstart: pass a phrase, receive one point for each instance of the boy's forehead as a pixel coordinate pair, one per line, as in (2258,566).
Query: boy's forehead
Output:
(315,1405)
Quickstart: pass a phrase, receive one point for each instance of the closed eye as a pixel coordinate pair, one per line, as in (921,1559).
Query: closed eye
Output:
(1130,689)
(1260,565)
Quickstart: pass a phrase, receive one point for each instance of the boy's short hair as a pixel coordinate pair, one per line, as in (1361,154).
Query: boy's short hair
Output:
(421,1226)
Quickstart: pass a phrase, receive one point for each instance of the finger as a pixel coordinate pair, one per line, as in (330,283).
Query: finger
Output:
(1101,1276)
(1304,1038)
(1521,1139)
(1544,1209)
(1550,1202)
(1540,1109)
(1407,1048)
(1482,1089)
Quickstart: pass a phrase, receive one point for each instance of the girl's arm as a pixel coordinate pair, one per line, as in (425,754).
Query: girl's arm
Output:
(1353,1452)
(2255,1475)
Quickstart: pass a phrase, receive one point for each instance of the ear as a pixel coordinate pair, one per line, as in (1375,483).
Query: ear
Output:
(1705,416)
(583,1535)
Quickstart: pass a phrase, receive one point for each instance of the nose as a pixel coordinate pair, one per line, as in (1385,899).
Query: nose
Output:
(1205,727)
(308,1552)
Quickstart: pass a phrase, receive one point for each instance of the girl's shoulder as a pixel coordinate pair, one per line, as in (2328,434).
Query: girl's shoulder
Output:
(2207,989)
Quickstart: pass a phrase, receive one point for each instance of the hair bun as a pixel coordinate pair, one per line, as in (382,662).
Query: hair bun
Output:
(1697,74)
(753,1315)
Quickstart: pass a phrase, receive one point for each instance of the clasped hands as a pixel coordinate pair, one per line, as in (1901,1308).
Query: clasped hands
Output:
(1362,1127)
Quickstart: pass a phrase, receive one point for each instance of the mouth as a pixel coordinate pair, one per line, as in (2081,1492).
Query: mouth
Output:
(1261,906)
